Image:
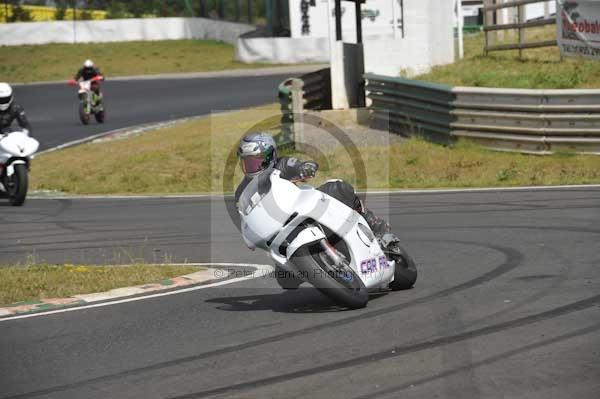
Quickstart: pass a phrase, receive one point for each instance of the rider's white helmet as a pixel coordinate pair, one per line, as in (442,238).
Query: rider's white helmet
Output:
(88,64)
(6,96)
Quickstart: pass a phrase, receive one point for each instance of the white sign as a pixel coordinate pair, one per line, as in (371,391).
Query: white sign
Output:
(578,28)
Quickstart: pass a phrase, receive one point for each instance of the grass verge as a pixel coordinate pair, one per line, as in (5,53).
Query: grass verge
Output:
(61,61)
(19,283)
(191,158)
(538,68)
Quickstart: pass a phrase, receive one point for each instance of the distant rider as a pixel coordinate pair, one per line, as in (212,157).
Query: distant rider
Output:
(88,72)
(10,110)
(258,152)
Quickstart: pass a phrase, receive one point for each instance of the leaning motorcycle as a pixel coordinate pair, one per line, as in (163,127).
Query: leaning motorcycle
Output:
(90,103)
(312,237)
(16,152)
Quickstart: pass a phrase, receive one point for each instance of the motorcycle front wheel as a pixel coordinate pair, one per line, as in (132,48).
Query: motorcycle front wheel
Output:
(17,184)
(84,115)
(342,285)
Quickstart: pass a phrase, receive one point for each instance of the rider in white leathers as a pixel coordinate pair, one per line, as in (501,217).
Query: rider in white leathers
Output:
(258,152)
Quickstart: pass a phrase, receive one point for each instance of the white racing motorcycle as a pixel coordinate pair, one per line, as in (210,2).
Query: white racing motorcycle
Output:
(313,237)
(16,152)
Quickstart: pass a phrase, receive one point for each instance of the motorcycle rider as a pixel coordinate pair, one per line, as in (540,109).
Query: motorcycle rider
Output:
(10,110)
(258,152)
(87,72)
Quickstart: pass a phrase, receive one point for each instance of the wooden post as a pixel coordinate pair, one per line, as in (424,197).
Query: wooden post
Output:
(488,20)
(500,20)
(522,14)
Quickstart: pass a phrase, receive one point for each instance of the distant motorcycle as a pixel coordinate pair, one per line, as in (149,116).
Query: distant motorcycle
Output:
(89,102)
(16,152)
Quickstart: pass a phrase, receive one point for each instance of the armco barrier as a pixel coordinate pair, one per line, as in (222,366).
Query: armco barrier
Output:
(309,91)
(530,121)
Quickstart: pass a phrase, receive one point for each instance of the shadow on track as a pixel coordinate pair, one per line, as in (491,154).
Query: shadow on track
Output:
(303,300)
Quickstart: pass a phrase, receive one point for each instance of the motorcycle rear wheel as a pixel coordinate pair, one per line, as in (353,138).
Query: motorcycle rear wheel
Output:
(17,185)
(405,273)
(100,116)
(342,286)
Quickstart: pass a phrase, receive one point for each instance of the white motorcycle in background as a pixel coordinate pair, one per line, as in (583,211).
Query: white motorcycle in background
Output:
(16,152)
(313,237)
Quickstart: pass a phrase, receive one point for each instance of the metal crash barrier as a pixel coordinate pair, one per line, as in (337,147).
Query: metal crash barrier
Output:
(528,121)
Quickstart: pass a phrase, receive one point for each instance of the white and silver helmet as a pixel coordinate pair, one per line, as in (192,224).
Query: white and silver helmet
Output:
(6,96)
(88,64)
(257,152)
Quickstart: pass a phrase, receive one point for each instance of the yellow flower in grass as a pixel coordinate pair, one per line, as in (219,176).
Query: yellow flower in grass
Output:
(82,269)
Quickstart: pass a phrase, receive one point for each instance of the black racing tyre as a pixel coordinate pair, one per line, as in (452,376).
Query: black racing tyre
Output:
(405,274)
(17,185)
(287,280)
(100,116)
(343,287)
(84,116)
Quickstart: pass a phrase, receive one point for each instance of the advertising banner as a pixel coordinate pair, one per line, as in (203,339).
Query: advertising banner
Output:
(578,28)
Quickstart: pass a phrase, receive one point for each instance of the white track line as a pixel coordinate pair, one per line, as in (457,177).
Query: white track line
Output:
(261,271)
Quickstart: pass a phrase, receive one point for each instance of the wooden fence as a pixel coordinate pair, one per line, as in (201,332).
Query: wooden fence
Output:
(490,27)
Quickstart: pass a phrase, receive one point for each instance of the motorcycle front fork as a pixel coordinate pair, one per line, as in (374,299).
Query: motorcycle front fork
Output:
(332,253)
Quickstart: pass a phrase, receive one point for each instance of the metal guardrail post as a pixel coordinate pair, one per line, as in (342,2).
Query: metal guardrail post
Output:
(310,91)
(298,110)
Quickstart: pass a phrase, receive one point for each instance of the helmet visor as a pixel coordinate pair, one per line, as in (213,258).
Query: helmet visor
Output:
(252,164)
(5,100)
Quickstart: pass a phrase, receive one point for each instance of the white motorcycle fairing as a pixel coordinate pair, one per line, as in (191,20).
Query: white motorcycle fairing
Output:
(85,86)
(280,217)
(17,144)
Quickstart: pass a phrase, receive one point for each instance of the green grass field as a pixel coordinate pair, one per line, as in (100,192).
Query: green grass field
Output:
(538,68)
(61,61)
(191,158)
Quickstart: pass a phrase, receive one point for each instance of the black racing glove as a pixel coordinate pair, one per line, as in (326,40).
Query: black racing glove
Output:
(308,170)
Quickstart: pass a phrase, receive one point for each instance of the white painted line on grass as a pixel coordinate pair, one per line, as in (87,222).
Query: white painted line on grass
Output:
(261,271)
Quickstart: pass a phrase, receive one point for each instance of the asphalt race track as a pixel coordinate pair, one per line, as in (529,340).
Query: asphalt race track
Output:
(507,305)
(52,108)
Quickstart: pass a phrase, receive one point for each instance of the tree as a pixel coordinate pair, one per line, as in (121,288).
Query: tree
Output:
(19,14)
(61,10)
